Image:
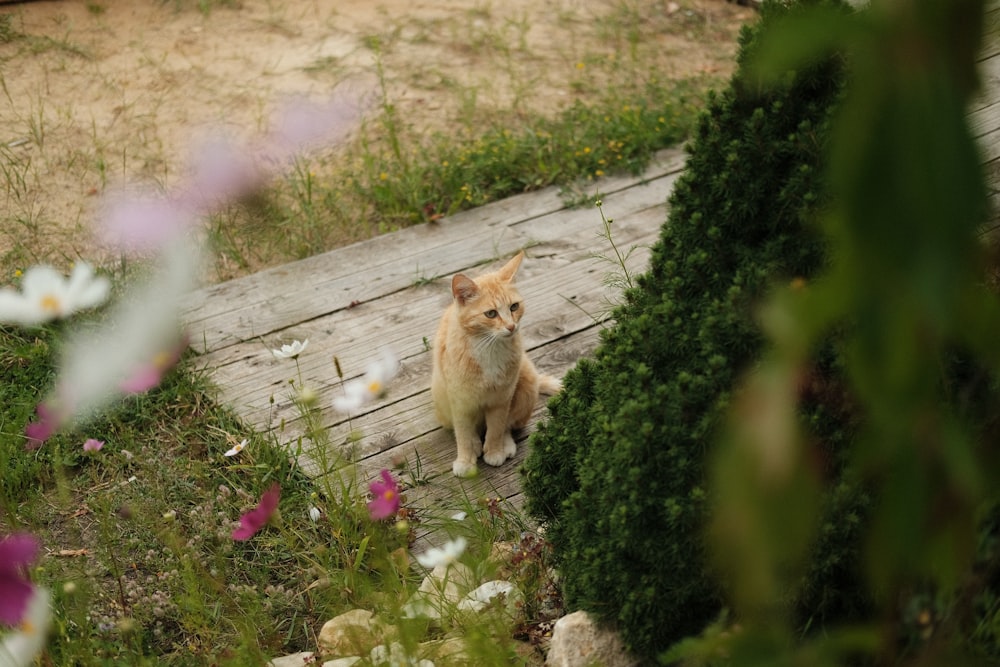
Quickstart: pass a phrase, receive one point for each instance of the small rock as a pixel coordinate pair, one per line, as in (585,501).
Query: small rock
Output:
(342,662)
(395,655)
(349,634)
(441,589)
(478,599)
(293,660)
(577,641)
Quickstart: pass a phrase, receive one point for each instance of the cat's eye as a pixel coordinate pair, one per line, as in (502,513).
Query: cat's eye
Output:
(514,306)
(490,313)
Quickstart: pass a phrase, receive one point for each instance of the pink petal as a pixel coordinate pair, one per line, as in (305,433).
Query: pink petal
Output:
(16,553)
(92,445)
(142,379)
(136,223)
(385,499)
(256,518)
(40,430)
(18,550)
(14,595)
(221,171)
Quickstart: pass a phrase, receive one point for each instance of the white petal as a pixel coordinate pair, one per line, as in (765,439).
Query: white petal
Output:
(21,647)
(16,309)
(445,555)
(314,514)
(85,290)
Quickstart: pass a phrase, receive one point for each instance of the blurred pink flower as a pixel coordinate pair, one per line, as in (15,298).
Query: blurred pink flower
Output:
(221,171)
(149,374)
(301,124)
(256,518)
(93,445)
(17,552)
(46,423)
(143,222)
(385,497)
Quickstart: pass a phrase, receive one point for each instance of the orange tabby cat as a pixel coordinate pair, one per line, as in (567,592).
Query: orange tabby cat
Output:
(482,379)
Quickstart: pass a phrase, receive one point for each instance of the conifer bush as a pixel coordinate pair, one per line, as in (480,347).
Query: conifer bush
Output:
(617,472)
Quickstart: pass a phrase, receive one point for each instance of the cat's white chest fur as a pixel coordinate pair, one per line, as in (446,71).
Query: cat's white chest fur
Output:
(498,359)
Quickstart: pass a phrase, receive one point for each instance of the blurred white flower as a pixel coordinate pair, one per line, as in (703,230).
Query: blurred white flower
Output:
(314,514)
(370,386)
(98,364)
(459,516)
(445,555)
(46,295)
(290,350)
(236,449)
(20,648)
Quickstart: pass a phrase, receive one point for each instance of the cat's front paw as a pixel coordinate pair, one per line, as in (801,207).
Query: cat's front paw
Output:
(495,458)
(461,468)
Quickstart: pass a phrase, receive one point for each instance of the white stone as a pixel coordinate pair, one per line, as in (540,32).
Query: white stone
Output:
(349,634)
(342,662)
(439,591)
(478,599)
(395,655)
(293,660)
(577,641)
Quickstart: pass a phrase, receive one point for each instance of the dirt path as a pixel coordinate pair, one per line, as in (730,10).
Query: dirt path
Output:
(99,93)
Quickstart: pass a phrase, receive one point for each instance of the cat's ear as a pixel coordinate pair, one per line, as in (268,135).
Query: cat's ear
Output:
(506,273)
(463,289)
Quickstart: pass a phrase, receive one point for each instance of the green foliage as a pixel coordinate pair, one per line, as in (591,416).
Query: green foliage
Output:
(619,469)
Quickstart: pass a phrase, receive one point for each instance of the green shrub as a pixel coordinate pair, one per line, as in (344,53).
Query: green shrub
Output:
(618,470)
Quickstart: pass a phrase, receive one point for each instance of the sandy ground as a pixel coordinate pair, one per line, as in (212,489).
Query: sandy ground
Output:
(101,93)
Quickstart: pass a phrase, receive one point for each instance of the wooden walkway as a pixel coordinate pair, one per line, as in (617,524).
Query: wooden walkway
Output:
(390,291)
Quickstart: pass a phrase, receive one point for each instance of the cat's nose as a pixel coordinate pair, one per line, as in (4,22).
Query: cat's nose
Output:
(511,327)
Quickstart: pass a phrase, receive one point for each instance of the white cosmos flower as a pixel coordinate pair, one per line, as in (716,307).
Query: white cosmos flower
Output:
(314,514)
(236,449)
(445,555)
(20,648)
(290,350)
(46,295)
(370,386)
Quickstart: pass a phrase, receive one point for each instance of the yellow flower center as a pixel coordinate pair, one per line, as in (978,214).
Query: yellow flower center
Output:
(375,387)
(162,360)
(27,627)
(50,303)
(389,494)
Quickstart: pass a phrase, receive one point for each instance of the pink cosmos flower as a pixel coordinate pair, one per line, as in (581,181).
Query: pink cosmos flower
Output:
(46,423)
(16,553)
(385,500)
(93,445)
(144,222)
(256,518)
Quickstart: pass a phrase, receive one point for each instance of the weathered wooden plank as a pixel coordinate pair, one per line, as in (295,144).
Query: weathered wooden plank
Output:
(991,30)
(989,82)
(579,298)
(559,298)
(257,385)
(985,119)
(271,300)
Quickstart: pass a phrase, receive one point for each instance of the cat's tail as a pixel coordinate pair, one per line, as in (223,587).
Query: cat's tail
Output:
(548,385)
